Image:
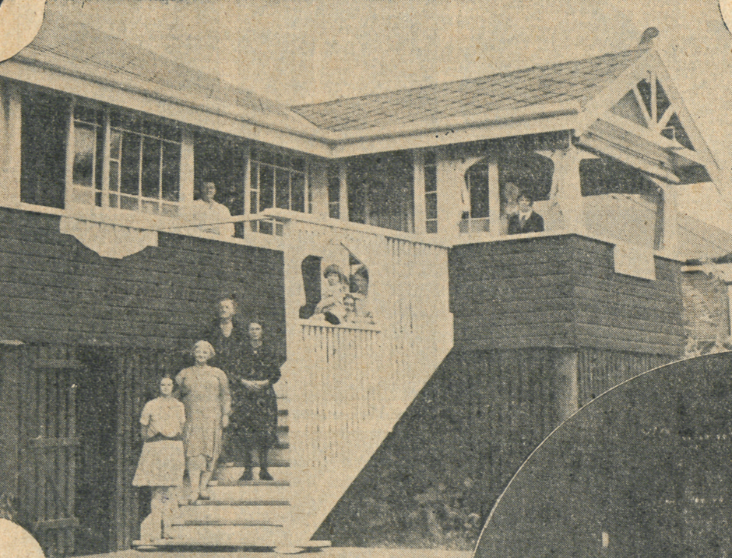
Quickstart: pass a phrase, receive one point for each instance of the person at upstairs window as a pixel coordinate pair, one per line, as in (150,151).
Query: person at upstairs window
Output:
(331,306)
(526,220)
(509,195)
(207,400)
(162,461)
(254,404)
(210,213)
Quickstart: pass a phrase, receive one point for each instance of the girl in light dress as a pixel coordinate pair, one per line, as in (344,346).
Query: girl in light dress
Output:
(162,462)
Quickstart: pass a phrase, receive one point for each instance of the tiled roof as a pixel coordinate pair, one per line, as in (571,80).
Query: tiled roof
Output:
(568,81)
(77,47)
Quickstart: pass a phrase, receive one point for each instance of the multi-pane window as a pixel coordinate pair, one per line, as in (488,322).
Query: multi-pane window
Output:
(430,191)
(334,191)
(144,165)
(142,155)
(277,180)
(86,176)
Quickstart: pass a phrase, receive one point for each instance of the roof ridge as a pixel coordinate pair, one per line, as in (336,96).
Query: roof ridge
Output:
(638,49)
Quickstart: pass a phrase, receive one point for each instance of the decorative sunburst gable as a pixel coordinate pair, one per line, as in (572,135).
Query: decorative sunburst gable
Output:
(648,105)
(650,125)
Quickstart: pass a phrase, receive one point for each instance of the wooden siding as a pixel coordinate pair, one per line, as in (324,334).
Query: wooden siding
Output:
(72,440)
(56,290)
(479,416)
(561,291)
(600,370)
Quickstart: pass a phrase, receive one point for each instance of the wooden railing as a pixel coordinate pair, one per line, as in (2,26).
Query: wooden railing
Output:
(349,384)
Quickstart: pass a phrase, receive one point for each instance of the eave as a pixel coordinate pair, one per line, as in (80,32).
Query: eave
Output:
(46,70)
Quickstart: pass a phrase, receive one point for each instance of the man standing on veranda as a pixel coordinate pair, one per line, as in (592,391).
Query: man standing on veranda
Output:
(212,214)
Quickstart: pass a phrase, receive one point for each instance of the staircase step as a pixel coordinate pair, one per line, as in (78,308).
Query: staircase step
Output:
(188,543)
(248,491)
(227,535)
(230,475)
(270,513)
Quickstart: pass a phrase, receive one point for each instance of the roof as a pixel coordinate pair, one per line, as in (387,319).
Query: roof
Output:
(579,81)
(71,46)
(700,241)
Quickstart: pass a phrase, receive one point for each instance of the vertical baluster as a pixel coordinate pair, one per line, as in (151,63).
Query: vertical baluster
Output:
(40,453)
(73,452)
(119,382)
(63,387)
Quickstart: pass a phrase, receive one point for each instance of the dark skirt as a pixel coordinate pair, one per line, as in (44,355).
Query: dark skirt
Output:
(253,420)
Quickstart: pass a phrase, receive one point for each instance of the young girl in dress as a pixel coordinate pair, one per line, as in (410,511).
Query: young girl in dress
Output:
(162,462)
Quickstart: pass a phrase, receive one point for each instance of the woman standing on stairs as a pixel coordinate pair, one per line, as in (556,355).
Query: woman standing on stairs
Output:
(207,400)
(254,408)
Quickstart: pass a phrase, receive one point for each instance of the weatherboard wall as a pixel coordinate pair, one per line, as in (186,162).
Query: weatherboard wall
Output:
(57,290)
(561,292)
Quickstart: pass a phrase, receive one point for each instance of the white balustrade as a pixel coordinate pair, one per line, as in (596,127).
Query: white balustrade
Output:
(349,384)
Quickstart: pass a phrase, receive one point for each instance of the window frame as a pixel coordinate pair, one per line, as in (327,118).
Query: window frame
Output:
(254,195)
(101,179)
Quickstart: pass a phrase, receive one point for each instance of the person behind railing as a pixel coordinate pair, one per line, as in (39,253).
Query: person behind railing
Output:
(359,286)
(526,220)
(162,461)
(254,406)
(510,204)
(207,400)
(210,213)
(330,308)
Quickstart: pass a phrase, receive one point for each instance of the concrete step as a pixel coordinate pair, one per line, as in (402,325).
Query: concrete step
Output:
(251,491)
(271,513)
(227,535)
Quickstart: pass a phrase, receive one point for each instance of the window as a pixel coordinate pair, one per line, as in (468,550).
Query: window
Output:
(277,180)
(476,181)
(44,119)
(142,171)
(430,191)
(334,191)
(86,175)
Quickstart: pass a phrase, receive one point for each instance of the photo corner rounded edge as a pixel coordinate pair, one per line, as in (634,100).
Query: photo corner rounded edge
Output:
(725,10)
(20,21)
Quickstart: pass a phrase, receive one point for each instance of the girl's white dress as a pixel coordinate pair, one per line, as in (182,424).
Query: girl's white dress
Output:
(162,462)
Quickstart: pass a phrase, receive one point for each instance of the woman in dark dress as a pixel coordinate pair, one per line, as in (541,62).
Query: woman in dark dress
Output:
(254,403)
(228,338)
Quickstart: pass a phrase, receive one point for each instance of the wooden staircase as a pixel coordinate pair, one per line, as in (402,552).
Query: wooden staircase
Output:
(347,385)
(240,513)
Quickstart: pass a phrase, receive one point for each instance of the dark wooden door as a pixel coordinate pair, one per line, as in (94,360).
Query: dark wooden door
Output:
(47,483)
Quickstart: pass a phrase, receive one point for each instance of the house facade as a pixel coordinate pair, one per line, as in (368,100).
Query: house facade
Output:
(110,274)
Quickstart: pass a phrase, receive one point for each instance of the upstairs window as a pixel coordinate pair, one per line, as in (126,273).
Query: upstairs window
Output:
(334,191)
(44,123)
(125,161)
(277,180)
(430,192)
